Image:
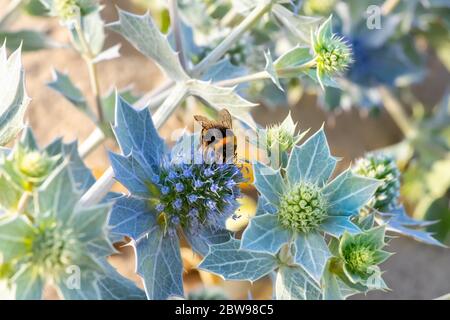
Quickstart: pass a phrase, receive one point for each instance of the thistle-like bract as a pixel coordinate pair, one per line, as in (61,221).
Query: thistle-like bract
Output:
(170,192)
(383,168)
(361,254)
(56,246)
(301,205)
(333,55)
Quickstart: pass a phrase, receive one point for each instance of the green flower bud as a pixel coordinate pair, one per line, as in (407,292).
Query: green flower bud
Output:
(283,135)
(34,164)
(359,258)
(71,9)
(303,208)
(384,168)
(53,248)
(333,55)
(360,255)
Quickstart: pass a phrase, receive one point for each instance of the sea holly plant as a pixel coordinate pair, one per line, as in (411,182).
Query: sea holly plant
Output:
(60,244)
(385,205)
(170,195)
(299,209)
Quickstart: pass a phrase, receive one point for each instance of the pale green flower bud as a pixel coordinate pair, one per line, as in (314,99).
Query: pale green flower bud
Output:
(300,213)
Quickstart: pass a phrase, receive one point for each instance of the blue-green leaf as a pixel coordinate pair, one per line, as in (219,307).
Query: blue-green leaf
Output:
(312,161)
(159,264)
(311,253)
(58,195)
(233,263)
(114,286)
(14,236)
(223,70)
(330,287)
(13,97)
(206,237)
(264,234)
(63,85)
(131,217)
(269,183)
(136,132)
(142,33)
(335,226)
(29,285)
(129,172)
(292,283)
(270,69)
(348,193)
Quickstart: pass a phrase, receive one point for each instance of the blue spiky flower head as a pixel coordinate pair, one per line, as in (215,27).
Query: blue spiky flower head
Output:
(298,205)
(170,192)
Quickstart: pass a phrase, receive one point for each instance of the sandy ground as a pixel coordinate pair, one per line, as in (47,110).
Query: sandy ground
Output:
(416,271)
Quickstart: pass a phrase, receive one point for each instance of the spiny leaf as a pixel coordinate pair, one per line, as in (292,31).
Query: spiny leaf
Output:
(312,254)
(13,97)
(348,193)
(233,263)
(63,85)
(159,264)
(264,234)
(142,32)
(312,161)
(292,283)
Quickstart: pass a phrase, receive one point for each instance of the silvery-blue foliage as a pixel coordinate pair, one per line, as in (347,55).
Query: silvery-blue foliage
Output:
(167,194)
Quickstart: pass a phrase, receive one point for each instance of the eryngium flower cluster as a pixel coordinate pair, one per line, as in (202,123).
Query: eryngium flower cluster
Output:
(191,195)
(383,168)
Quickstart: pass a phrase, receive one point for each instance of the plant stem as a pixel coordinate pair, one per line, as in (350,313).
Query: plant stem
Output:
(237,32)
(23,202)
(91,143)
(397,113)
(88,57)
(262,75)
(175,23)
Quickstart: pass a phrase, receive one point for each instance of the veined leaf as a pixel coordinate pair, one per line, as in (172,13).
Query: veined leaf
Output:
(159,264)
(292,283)
(232,263)
(142,32)
(13,97)
(336,226)
(312,253)
(269,183)
(131,217)
(312,161)
(207,237)
(348,193)
(264,234)
(299,26)
(114,286)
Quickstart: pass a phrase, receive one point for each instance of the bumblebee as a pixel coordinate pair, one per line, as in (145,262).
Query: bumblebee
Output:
(219,137)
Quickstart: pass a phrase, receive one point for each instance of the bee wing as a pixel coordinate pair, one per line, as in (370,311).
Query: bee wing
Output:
(204,121)
(225,118)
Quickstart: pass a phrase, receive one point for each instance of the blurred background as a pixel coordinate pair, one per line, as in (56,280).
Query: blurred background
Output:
(355,123)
